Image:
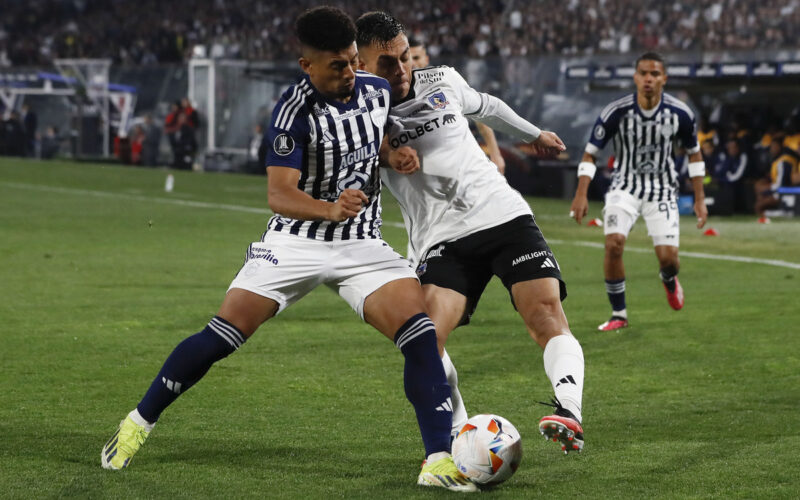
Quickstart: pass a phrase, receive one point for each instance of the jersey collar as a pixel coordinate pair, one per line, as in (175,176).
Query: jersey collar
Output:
(647,115)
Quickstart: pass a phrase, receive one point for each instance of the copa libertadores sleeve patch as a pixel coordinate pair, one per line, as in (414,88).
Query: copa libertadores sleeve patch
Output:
(283,144)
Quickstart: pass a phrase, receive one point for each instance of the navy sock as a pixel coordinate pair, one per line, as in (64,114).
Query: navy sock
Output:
(425,382)
(187,364)
(616,294)
(667,275)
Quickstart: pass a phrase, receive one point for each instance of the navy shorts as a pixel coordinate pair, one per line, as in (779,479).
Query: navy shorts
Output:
(514,251)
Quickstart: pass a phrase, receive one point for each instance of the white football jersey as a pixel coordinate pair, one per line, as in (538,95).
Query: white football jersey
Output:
(458,190)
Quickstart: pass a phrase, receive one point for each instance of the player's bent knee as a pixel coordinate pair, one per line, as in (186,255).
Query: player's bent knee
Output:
(247,310)
(615,245)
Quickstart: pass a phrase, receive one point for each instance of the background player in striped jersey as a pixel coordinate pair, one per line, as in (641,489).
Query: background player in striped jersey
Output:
(324,188)
(643,126)
(465,223)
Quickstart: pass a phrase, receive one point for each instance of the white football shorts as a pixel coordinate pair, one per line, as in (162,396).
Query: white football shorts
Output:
(285,267)
(622,209)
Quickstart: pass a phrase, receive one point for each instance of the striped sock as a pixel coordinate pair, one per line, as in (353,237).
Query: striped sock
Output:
(187,364)
(616,295)
(425,382)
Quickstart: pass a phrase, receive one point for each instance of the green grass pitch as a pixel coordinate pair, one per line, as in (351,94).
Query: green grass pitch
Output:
(102,273)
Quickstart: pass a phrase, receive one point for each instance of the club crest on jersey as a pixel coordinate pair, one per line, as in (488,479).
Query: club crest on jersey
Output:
(666,130)
(438,100)
(283,144)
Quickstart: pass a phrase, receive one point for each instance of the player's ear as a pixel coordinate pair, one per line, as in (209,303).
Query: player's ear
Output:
(305,64)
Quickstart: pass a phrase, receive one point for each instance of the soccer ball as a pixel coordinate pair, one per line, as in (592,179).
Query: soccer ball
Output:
(488,449)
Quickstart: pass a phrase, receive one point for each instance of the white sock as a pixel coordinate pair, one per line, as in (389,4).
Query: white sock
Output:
(459,411)
(139,420)
(563,363)
(622,314)
(434,457)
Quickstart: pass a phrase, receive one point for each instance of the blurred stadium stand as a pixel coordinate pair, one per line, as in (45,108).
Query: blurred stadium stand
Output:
(557,62)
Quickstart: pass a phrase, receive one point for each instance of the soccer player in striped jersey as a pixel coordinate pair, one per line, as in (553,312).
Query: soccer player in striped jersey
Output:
(643,126)
(324,188)
(465,223)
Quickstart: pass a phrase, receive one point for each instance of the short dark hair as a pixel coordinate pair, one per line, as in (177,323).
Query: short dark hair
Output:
(651,56)
(325,28)
(380,27)
(415,42)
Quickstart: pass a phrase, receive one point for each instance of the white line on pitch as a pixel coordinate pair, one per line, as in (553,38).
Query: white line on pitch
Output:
(266,211)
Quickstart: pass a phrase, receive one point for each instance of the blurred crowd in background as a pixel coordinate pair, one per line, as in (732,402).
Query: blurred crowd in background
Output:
(748,154)
(35,32)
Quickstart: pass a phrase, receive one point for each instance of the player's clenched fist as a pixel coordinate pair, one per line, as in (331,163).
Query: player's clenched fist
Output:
(348,205)
(404,160)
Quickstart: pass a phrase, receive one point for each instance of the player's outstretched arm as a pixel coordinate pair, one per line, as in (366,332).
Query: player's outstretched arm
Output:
(697,173)
(580,203)
(286,199)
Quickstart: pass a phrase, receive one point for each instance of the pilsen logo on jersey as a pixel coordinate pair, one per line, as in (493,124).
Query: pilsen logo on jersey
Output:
(439,100)
(283,144)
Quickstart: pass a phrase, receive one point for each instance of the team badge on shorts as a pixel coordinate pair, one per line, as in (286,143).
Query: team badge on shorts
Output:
(283,144)
(439,100)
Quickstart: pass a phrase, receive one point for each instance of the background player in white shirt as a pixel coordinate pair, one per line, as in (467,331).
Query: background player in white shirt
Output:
(465,222)
(643,126)
(326,132)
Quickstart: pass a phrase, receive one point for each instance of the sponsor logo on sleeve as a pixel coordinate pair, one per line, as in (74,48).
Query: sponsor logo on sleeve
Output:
(599,132)
(283,144)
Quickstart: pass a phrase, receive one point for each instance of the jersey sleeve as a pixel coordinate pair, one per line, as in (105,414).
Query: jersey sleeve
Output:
(287,136)
(490,110)
(471,100)
(687,132)
(604,129)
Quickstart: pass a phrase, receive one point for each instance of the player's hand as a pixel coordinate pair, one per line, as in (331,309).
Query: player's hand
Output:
(348,205)
(701,211)
(579,208)
(548,145)
(404,160)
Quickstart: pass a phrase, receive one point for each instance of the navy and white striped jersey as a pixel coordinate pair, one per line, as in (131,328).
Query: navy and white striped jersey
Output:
(335,146)
(643,160)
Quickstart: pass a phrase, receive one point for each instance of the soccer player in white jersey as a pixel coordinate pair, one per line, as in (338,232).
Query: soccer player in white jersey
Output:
(324,188)
(465,222)
(643,126)
(419,60)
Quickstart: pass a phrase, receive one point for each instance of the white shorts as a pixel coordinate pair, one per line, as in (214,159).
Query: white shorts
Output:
(286,267)
(622,209)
